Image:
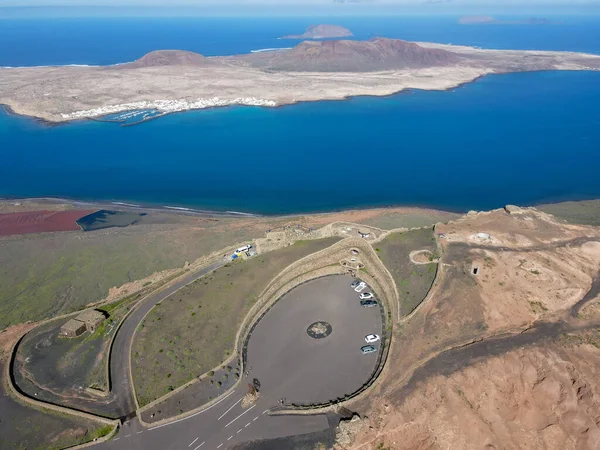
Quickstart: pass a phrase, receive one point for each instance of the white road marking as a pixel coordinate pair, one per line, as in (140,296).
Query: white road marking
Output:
(116,439)
(248,410)
(234,405)
(200,445)
(128,436)
(220,445)
(230,437)
(193,415)
(139,432)
(240,430)
(247,425)
(255,418)
(266,410)
(193,442)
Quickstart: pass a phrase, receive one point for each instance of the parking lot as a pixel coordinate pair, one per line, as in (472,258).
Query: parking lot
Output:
(301,369)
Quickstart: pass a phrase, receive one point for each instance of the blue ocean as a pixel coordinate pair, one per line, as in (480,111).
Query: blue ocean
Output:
(522,138)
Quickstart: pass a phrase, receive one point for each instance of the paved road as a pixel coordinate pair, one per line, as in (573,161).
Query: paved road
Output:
(119,358)
(288,363)
(221,426)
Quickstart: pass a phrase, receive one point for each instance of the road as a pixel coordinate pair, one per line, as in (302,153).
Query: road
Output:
(121,390)
(220,426)
(289,364)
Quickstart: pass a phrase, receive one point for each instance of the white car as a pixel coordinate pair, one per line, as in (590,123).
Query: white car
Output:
(360,286)
(371,338)
(366,296)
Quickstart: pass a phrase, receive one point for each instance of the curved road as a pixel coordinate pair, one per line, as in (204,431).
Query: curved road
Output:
(124,405)
(289,364)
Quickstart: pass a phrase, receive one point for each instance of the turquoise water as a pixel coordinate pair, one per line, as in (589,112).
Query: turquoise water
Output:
(518,138)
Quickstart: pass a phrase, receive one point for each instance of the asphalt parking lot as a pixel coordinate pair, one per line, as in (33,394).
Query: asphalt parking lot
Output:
(289,364)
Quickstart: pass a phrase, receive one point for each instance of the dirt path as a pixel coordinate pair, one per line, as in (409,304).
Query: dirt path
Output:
(591,294)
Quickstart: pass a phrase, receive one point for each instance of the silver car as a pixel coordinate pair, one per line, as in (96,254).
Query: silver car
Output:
(368,349)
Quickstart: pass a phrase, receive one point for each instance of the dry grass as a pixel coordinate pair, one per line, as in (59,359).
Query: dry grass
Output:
(194,330)
(413,281)
(55,273)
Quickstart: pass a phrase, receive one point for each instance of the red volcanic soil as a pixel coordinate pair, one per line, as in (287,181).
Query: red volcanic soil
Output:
(40,221)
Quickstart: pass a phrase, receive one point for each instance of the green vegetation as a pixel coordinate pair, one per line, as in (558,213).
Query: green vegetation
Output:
(413,281)
(60,363)
(538,307)
(48,274)
(101,432)
(585,212)
(195,344)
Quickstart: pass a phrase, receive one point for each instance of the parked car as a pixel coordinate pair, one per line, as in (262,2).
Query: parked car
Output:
(366,296)
(368,303)
(360,286)
(371,338)
(354,283)
(368,349)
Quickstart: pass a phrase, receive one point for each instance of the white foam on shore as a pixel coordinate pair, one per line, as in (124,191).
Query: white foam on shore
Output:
(238,213)
(127,204)
(169,106)
(261,50)
(179,208)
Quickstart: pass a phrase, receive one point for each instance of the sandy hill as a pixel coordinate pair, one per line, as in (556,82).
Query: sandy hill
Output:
(168,58)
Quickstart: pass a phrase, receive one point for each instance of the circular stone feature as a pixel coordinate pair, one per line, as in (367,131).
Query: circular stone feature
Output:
(319,330)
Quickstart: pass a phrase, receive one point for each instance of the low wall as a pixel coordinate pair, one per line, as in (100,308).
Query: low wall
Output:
(13,391)
(322,263)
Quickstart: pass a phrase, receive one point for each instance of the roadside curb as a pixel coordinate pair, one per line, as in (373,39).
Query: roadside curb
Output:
(208,261)
(40,405)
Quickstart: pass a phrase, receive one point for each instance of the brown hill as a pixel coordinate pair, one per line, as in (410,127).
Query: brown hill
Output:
(322,32)
(353,56)
(168,58)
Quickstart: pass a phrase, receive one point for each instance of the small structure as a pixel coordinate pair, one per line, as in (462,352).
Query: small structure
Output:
(483,236)
(86,321)
(364,233)
(72,328)
(512,209)
(92,318)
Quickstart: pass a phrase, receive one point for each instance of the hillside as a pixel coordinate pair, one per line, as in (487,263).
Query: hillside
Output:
(354,56)
(159,58)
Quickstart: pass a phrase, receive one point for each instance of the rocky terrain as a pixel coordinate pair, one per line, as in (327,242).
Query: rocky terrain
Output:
(167,58)
(321,32)
(354,56)
(505,357)
(171,80)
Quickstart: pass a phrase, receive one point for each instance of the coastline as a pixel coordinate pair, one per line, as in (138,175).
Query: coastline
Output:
(54,121)
(200,212)
(81,92)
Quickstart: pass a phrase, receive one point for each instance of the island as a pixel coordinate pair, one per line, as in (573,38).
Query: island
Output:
(322,32)
(169,81)
(487,20)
